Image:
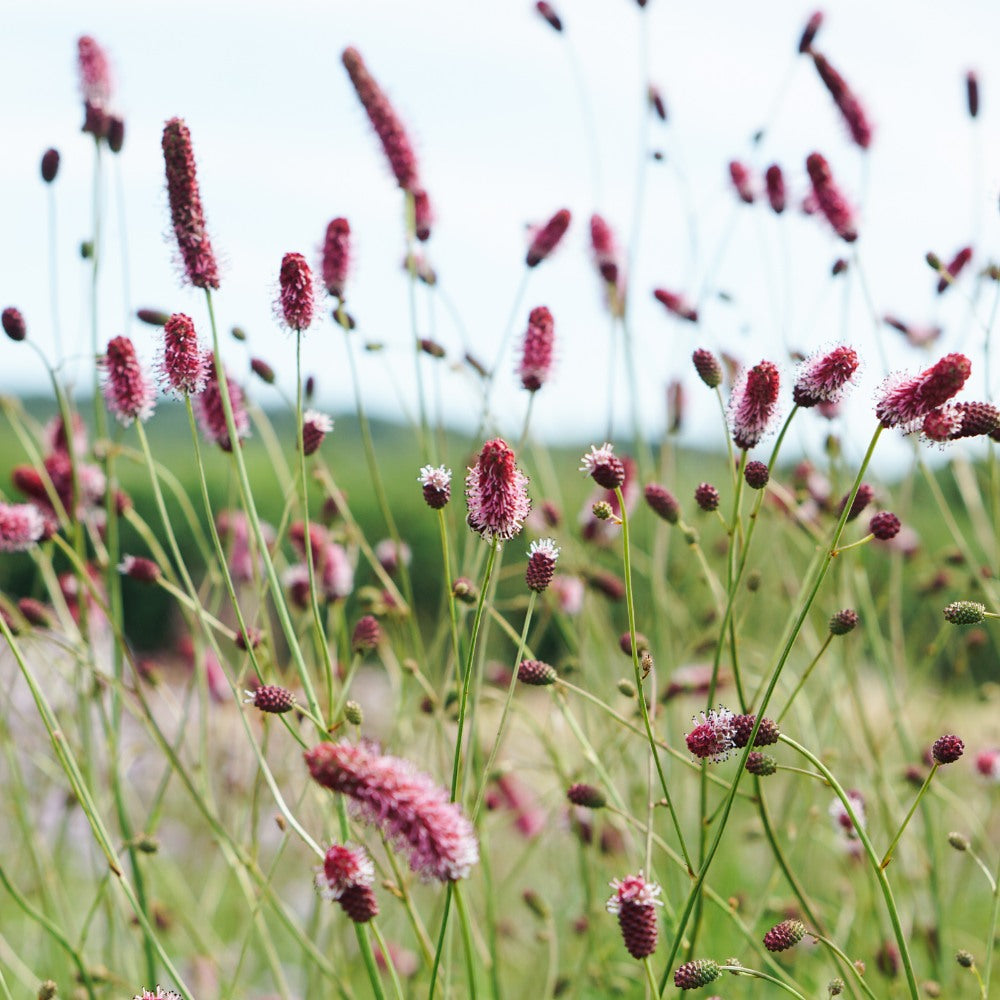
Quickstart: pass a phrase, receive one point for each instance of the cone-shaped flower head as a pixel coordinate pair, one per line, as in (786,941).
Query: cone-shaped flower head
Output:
(183,364)
(296,297)
(536,355)
(707,366)
(634,902)
(785,935)
(405,804)
(663,502)
(336,256)
(824,378)
(542,556)
(545,239)
(775,181)
(947,749)
(830,199)
(13,323)
(437,485)
(129,393)
(604,466)
(344,866)
(846,100)
(50,165)
(315,427)
(497,493)
(960,420)
(700,972)
(676,303)
(739,174)
(713,737)
(905,401)
(94,71)
(753,404)
(884,526)
(965,613)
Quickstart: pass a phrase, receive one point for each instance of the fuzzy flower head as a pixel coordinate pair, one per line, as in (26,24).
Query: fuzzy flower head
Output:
(128,392)
(634,902)
(296,299)
(94,71)
(604,467)
(344,867)
(183,365)
(406,805)
(536,355)
(336,256)
(830,199)
(713,738)
(437,485)
(542,556)
(497,493)
(21,525)
(754,404)
(826,377)
(315,427)
(208,408)
(160,994)
(954,421)
(904,402)
(545,239)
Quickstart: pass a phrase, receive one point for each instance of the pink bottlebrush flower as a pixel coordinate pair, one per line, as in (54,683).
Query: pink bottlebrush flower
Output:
(693,975)
(677,304)
(961,420)
(94,71)
(208,408)
(50,165)
(423,215)
(753,404)
(810,31)
(496,492)
(536,356)
(384,120)
(634,902)
(712,738)
(346,876)
(128,392)
(183,365)
(775,181)
(542,556)
(604,466)
(546,11)
(437,485)
(296,298)
(906,401)
(13,324)
(739,174)
(785,935)
(315,427)
(215,677)
(824,378)
(569,593)
(21,526)
(366,635)
(405,804)
(336,256)
(605,249)
(830,199)
(186,213)
(954,269)
(846,100)
(545,239)
(972,93)
(656,102)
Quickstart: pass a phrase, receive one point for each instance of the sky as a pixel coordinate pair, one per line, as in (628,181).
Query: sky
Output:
(512,121)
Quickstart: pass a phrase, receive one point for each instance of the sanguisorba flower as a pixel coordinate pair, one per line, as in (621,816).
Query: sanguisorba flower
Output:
(542,556)
(713,737)
(753,404)
(604,466)
(830,198)
(208,408)
(129,393)
(536,355)
(634,902)
(825,378)
(336,256)
(904,402)
(846,100)
(497,493)
(21,525)
(545,239)
(183,364)
(954,421)
(347,876)
(94,72)
(605,249)
(296,297)
(406,805)
(436,482)
(315,427)
(186,213)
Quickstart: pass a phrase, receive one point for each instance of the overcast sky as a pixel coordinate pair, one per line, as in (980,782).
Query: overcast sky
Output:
(511,122)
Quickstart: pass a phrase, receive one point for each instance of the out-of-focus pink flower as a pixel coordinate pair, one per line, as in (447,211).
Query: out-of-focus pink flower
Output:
(824,378)
(753,404)
(634,902)
(569,592)
(547,11)
(916,336)
(497,493)
(536,354)
(423,215)
(21,526)
(846,100)
(742,180)
(296,297)
(954,268)
(336,256)
(842,820)
(605,249)
(988,763)
(528,817)
(128,392)
(208,408)
(545,239)
(94,71)
(677,304)
(315,427)
(830,199)
(775,181)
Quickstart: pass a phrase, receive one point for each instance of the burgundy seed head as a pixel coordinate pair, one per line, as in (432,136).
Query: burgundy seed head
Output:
(961,420)
(739,174)
(767,732)
(663,502)
(384,120)
(884,526)
(656,102)
(437,485)
(315,427)
(536,355)
(542,556)
(839,266)
(50,165)
(547,12)
(775,180)
(634,902)
(830,199)
(296,299)
(972,93)
(693,975)
(183,364)
(586,796)
(846,100)
(13,323)
(423,215)
(96,121)
(21,526)
(825,378)
(128,392)
(536,673)
(761,764)
(336,256)
(186,213)
(708,368)
(861,500)
(271,698)
(152,317)
(843,622)
(366,635)
(496,492)
(706,496)
(785,935)
(604,467)
(676,304)
(810,31)
(905,401)
(947,749)
(756,475)
(545,239)
(137,568)
(753,404)
(954,268)
(712,737)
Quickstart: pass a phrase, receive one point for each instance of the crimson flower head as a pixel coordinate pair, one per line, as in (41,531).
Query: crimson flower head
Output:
(437,485)
(884,526)
(846,100)
(739,174)
(753,404)
(186,213)
(707,366)
(605,248)
(713,738)
(906,401)
(296,298)
(344,866)
(536,357)
(315,427)
(497,493)
(183,364)
(13,323)
(960,420)
(824,378)
(677,304)
(830,198)
(129,393)
(542,556)
(336,256)
(775,181)
(947,749)
(604,466)
(634,902)
(406,805)
(209,408)
(545,239)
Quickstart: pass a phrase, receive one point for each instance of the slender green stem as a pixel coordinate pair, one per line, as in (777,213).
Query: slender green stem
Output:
(755,974)
(887,857)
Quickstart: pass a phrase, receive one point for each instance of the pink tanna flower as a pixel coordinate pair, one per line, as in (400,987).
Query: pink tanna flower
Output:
(954,268)
(739,174)
(406,805)
(846,100)
(497,493)
(605,249)
(296,303)
(677,304)
(960,420)
(906,401)
(545,239)
(94,71)
(824,378)
(183,365)
(208,408)
(21,526)
(775,181)
(830,199)
(336,256)
(536,355)
(713,738)
(186,213)
(423,215)
(634,902)
(129,393)
(753,404)
(387,125)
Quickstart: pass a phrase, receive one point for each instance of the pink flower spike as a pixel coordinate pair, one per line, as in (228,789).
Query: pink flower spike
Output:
(753,404)
(345,866)
(713,738)
(497,493)
(95,72)
(846,100)
(677,304)
(405,804)
(183,364)
(128,392)
(830,199)
(208,408)
(21,526)
(961,420)
(634,902)
(437,485)
(536,356)
(545,239)
(954,269)
(336,256)
(825,378)
(605,249)
(906,401)
(739,174)
(296,298)
(775,181)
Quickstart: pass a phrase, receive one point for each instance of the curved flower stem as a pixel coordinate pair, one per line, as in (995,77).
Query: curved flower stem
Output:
(887,857)
(865,988)
(754,974)
(804,677)
(994,915)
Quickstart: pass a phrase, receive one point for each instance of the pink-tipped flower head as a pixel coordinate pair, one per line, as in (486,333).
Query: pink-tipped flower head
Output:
(604,466)
(954,268)
(536,356)
(315,427)
(497,493)
(209,408)
(810,31)
(904,402)
(605,249)
(437,485)
(960,420)
(183,365)
(545,239)
(825,378)
(634,902)
(159,994)
(384,120)
(129,393)
(344,866)
(775,181)
(296,298)
(542,556)
(676,304)
(405,804)
(186,213)
(21,526)
(753,404)
(830,199)
(713,737)
(739,174)
(846,100)
(95,72)
(336,256)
